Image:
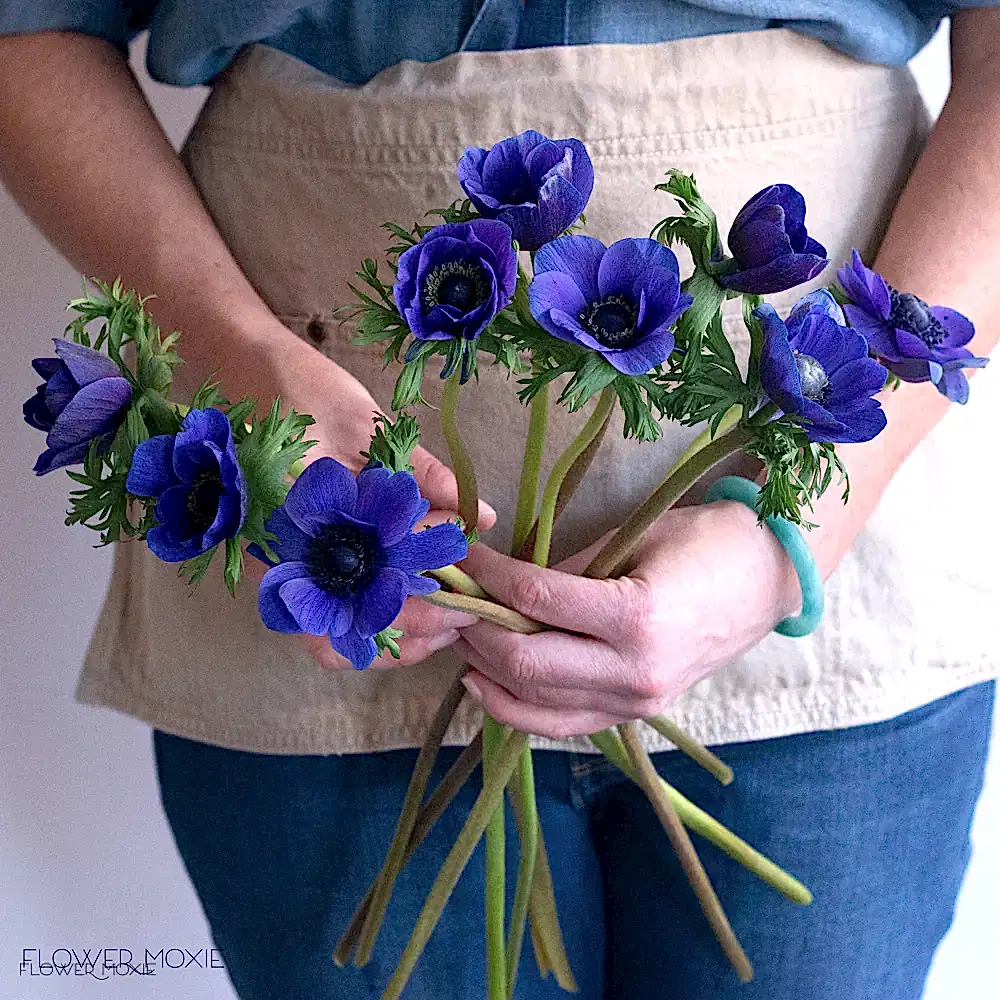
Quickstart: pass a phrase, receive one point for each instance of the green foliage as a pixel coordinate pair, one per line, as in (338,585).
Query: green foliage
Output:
(799,471)
(266,455)
(385,641)
(393,442)
(696,227)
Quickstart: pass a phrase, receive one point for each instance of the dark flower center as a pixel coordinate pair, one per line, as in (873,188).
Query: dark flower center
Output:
(203,500)
(912,314)
(611,321)
(341,559)
(456,283)
(815,382)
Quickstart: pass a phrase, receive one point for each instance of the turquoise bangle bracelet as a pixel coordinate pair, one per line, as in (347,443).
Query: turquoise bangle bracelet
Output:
(745,492)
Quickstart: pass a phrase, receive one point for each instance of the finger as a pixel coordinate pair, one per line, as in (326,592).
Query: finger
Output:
(582,699)
(415,650)
(438,484)
(423,620)
(411,651)
(601,608)
(553,723)
(549,659)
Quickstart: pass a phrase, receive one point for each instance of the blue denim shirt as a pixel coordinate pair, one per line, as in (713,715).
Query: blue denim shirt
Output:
(193,40)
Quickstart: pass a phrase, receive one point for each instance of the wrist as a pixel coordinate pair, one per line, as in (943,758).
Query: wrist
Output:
(767,571)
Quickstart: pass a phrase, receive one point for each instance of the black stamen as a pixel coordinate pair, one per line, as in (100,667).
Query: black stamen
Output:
(611,321)
(456,283)
(912,314)
(341,559)
(203,500)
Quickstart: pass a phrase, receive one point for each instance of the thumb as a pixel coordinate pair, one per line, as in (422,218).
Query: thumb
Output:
(438,485)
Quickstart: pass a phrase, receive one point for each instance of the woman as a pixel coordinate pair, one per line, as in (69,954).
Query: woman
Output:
(856,749)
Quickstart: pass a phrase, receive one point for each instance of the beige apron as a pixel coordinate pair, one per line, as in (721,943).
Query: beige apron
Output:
(298,171)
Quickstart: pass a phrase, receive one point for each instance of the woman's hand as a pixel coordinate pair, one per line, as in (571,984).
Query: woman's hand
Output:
(707,585)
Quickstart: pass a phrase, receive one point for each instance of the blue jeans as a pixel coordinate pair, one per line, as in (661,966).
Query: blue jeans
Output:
(875,820)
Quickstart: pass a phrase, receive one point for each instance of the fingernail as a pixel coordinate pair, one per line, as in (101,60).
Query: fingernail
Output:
(458,619)
(473,688)
(442,641)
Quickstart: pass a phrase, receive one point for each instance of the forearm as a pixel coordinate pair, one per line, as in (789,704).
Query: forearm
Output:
(943,244)
(82,152)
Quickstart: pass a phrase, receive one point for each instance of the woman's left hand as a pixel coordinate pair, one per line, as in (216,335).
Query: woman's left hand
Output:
(707,585)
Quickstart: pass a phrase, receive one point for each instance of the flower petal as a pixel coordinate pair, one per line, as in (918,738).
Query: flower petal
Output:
(94,410)
(324,487)
(777,276)
(641,357)
(431,548)
(555,290)
(167,547)
(50,460)
(393,505)
(579,257)
(381,601)
(626,263)
(958,328)
(273,611)
(36,413)
(311,606)
(359,649)
(152,472)
(854,381)
(84,363)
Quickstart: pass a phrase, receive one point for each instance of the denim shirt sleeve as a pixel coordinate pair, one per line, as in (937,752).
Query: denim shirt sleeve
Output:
(116,21)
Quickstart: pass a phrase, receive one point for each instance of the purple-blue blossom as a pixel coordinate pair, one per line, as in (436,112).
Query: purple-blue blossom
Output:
(538,186)
(84,397)
(621,301)
(915,341)
(770,245)
(453,282)
(349,556)
(813,366)
(197,482)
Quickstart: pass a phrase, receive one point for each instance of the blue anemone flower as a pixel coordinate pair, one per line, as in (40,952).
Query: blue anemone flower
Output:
(915,341)
(200,490)
(621,300)
(812,366)
(456,279)
(538,186)
(768,239)
(83,397)
(349,556)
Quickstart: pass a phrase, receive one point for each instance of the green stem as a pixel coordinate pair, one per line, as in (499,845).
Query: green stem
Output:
(534,449)
(525,784)
(708,827)
(394,860)
(694,870)
(700,754)
(574,477)
(458,857)
(546,516)
(432,810)
(453,577)
(496,874)
(615,554)
(487,610)
(461,463)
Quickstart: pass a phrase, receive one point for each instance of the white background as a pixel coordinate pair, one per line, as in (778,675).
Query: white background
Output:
(87,858)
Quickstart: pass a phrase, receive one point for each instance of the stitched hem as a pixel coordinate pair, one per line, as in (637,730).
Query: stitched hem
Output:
(810,709)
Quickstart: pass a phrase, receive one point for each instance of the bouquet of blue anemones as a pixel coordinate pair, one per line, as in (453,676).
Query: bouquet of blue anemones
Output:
(505,275)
